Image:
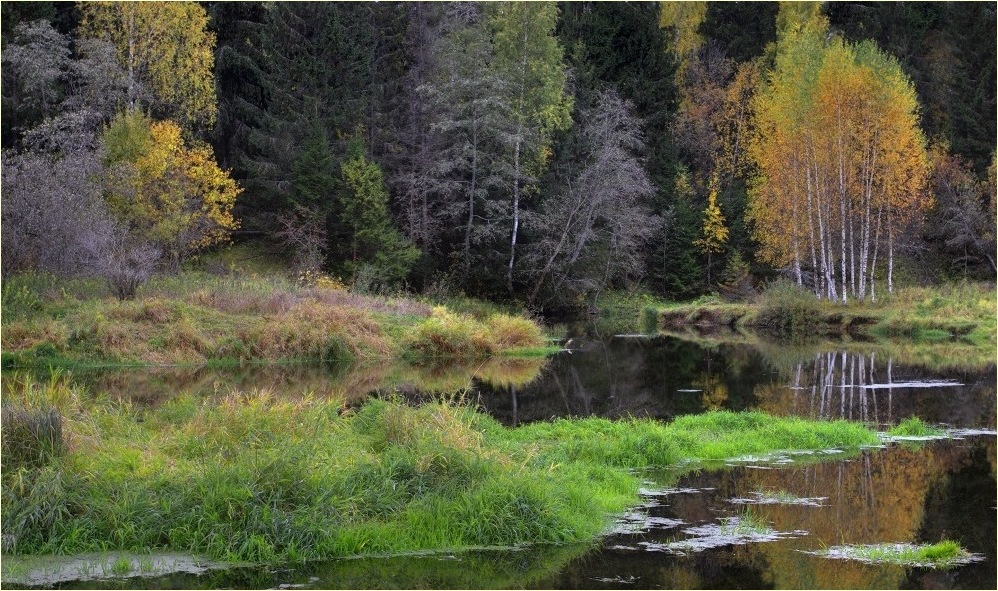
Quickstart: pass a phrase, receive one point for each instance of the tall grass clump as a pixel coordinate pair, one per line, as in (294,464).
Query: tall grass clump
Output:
(914,427)
(788,309)
(447,334)
(34,439)
(32,420)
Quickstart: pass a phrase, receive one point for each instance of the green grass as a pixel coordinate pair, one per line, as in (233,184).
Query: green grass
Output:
(746,523)
(914,427)
(249,476)
(945,554)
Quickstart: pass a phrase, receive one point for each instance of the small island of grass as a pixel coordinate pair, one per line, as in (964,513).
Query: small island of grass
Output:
(945,554)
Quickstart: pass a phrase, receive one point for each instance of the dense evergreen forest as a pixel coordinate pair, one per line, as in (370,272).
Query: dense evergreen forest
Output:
(536,152)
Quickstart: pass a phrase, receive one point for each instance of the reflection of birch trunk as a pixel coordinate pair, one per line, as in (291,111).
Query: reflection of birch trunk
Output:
(890,387)
(581,391)
(796,385)
(829,379)
(512,395)
(842,380)
(815,380)
(862,372)
(561,390)
(868,480)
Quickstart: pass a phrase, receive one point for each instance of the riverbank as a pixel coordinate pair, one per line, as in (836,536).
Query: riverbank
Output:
(255,477)
(952,324)
(200,318)
(955,311)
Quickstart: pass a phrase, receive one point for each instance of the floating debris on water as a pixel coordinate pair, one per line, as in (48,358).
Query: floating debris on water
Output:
(307,585)
(635,522)
(688,390)
(663,492)
(914,384)
(49,571)
(734,531)
(630,580)
(959,433)
(778,498)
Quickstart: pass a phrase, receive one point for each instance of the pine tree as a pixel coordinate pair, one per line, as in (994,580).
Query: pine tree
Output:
(370,247)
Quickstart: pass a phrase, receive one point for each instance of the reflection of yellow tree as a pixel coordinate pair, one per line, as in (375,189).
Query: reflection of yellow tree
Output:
(715,392)
(879,497)
(874,498)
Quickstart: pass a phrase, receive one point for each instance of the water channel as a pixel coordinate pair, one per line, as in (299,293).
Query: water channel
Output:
(681,536)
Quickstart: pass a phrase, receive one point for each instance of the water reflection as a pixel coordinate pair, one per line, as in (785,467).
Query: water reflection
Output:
(890,495)
(664,377)
(352,383)
(660,377)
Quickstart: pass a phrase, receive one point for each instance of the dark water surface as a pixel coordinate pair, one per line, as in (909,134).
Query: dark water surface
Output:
(685,533)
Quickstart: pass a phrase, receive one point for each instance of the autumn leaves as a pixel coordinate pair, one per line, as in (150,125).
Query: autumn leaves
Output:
(841,161)
(163,185)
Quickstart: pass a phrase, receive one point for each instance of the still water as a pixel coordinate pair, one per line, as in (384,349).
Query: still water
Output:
(683,535)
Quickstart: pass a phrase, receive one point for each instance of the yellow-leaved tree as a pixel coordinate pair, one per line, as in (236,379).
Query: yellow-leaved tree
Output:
(841,160)
(167,53)
(171,194)
(714,231)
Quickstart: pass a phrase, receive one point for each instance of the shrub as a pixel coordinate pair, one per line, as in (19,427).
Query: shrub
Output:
(788,308)
(514,331)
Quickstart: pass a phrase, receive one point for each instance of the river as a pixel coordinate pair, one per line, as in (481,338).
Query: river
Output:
(685,534)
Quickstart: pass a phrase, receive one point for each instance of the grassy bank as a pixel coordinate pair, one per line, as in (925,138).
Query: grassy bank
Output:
(196,318)
(253,477)
(948,323)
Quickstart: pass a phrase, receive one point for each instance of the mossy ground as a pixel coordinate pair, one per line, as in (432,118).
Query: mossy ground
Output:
(251,476)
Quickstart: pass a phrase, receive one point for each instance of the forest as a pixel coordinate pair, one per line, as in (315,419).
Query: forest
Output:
(538,153)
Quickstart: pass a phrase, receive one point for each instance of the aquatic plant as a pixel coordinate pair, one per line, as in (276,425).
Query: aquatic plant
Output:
(944,554)
(914,427)
(744,524)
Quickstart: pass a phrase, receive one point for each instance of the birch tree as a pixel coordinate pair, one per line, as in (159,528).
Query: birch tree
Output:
(841,158)
(166,51)
(528,54)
